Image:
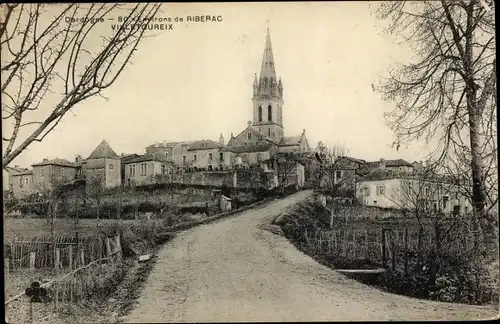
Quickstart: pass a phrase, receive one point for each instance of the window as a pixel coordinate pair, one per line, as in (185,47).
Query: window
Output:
(27,181)
(338,174)
(445,202)
(259,157)
(249,136)
(221,156)
(41,172)
(166,154)
(210,156)
(366,191)
(111,166)
(132,170)
(269,132)
(163,169)
(270,113)
(260,113)
(466,209)
(380,190)
(210,167)
(426,191)
(144,168)
(184,158)
(195,157)
(20,181)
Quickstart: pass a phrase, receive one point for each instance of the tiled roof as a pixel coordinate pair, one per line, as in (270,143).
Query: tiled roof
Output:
(22,172)
(359,161)
(128,157)
(385,174)
(169,144)
(204,145)
(290,140)
(103,150)
(148,157)
(251,148)
(390,163)
(14,170)
(61,162)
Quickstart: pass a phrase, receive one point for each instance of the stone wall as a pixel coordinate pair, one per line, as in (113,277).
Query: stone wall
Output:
(206,178)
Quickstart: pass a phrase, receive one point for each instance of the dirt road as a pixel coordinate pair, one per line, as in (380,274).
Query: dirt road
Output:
(233,271)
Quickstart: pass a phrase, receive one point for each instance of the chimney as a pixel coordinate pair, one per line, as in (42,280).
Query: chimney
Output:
(16,166)
(382,164)
(45,160)
(78,159)
(123,154)
(221,140)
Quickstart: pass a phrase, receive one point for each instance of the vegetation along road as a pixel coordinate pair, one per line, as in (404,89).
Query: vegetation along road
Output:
(234,271)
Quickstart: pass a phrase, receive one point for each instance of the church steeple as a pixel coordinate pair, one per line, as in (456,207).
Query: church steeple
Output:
(268,96)
(267,69)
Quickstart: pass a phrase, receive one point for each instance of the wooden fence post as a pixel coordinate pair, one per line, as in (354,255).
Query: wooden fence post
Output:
(70,259)
(366,245)
(32,260)
(82,258)
(345,242)
(108,250)
(406,250)
(393,252)
(354,244)
(58,256)
(118,247)
(384,261)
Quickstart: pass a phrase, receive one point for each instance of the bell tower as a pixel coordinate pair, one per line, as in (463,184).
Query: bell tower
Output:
(268,96)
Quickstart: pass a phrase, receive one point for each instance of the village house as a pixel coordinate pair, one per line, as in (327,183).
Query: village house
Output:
(209,155)
(7,174)
(124,158)
(49,174)
(402,190)
(145,169)
(103,164)
(21,183)
(177,152)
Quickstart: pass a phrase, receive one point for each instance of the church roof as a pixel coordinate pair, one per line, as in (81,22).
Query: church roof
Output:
(251,148)
(290,140)
(204,145)
(103,150)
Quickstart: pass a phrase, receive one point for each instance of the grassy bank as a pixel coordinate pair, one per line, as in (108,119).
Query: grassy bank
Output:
(464,277)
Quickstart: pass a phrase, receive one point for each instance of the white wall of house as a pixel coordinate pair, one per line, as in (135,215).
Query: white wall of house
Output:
(208,157)
(380,193)
(143,173)
(402,193)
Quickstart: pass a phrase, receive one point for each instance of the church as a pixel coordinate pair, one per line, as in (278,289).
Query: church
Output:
(259,141)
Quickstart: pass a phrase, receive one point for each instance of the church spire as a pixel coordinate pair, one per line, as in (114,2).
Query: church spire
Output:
(267,68)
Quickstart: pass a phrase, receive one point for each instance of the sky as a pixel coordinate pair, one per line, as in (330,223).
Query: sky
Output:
(195,82)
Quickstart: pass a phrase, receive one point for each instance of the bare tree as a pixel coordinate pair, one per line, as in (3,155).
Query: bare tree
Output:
(95,191)
(448,92)
(49,63)
(332,171)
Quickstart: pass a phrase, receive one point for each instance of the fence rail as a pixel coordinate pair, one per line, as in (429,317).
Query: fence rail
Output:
(41,253)
(79,283)
(391,247)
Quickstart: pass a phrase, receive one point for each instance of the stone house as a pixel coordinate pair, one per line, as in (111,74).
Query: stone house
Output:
(124,158)
(208,155)
(7,173)
(21,183)
(104,164)
(177,152)
(50,173)
(146,169)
